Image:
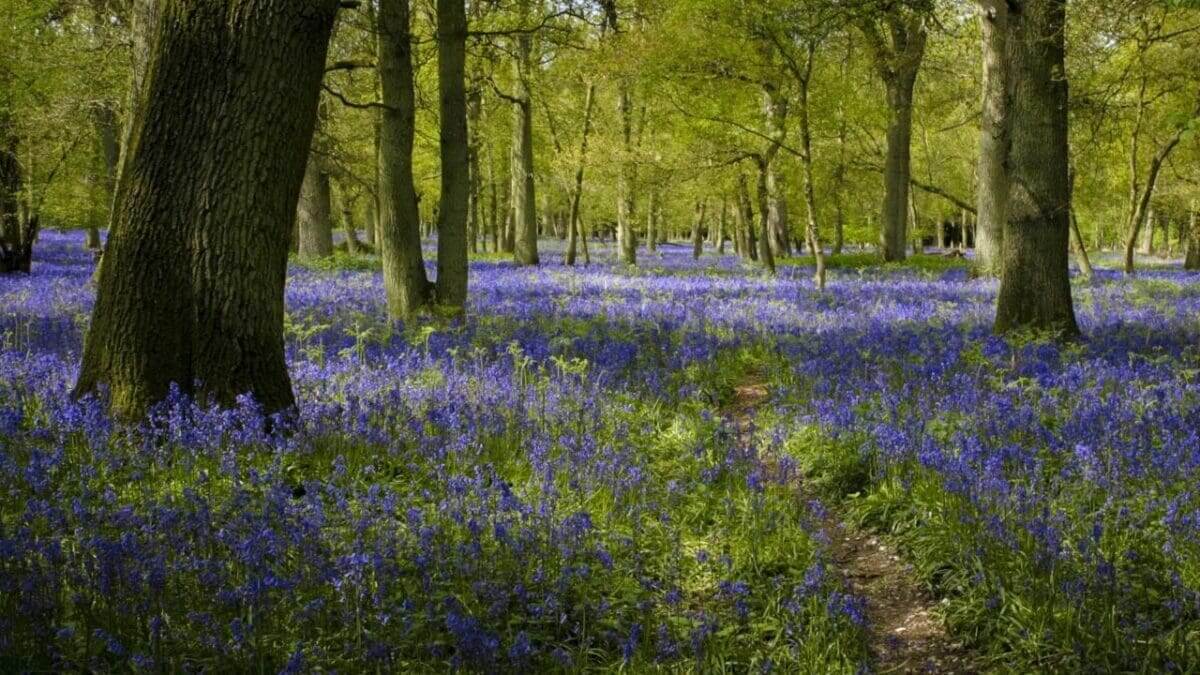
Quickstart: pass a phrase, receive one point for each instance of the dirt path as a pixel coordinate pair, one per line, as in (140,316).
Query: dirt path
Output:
(905,633)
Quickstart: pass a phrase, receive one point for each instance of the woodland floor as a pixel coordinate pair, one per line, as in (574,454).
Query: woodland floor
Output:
(906,635)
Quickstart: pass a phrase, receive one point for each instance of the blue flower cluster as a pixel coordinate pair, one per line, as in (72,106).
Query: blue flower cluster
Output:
(547,484)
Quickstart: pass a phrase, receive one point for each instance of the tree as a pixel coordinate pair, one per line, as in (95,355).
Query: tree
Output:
(191,292)
(897,60)
(455,155)
(995,134)
(524,195)
(1035,285)
(314,211)
(404,279)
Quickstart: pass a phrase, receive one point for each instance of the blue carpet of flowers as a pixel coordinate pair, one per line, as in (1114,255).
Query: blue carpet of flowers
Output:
(552,484)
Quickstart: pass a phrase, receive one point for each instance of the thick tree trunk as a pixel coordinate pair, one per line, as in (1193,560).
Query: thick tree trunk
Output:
(404,278)
(995,137)
(1035,285)
(12,249)
(573,224)
(191,290)
(314,213)
(897,168)
(455,154)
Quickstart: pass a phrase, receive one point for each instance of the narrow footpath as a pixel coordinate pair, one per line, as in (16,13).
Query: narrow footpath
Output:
(906,635)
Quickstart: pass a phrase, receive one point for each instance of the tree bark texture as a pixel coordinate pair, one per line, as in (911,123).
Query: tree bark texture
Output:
(191,290)
(898,60)
(314,209)
(1035,286)
(455,155)
(995,137)
(404,279)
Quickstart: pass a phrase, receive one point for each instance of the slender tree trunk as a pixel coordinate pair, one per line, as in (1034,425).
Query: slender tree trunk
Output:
(995,137)
(813,232)
(524,197)
(652,221)
(353,246)
(1192,259)
(1141,200)
(573,225)
(1035,286)
(626,207)
(493,201)
(719,240)
(747,241)
(314,213)
(108,130)
(455,154)
(1148,233)
(371,221)
(898,59)
(404,279)
(697,230)
(474,115)
(192,287)
(765,255)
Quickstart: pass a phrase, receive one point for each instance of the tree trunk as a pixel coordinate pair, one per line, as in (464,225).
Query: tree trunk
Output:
(314,212)
(1035,285)
(747,241)
(1142,200)
(404,279)
(108,130)
(1192,259)
(455,154)
(474,133)
(995,137)
(697,230)
(897,59)
(897,168)
(573,224)
(812,233)
(652,222)
(1148,233)
(626,206)
(524,197)
(191,290)
(371,221)
(765,255)
(12,247)
(353,246)
(721,226)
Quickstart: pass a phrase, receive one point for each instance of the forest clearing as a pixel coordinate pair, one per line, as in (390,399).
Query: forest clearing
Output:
(794,336)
